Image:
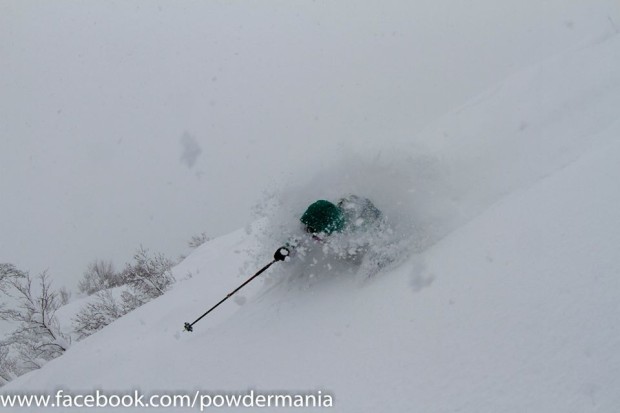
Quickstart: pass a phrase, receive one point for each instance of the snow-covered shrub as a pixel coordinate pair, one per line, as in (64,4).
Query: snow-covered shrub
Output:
(99,275)
(198,240)
(147,277)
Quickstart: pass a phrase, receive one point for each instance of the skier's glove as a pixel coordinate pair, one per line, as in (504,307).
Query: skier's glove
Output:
(281,254)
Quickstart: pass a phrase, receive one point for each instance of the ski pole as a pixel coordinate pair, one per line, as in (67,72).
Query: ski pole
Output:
(280,255)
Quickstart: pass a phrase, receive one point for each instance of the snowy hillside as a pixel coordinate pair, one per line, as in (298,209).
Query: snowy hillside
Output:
(505,298)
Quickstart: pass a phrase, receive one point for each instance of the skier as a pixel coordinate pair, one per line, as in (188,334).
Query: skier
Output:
(354,217)
(351,216)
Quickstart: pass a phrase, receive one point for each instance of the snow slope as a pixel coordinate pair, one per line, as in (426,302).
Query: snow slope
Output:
(507,300)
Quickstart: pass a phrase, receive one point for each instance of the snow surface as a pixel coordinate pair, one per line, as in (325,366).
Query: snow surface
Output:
(505,299)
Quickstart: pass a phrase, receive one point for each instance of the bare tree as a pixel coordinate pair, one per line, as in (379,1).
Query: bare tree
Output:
(8,366)
(5,272)
(64,295)
(37,337)
(97,314)
(8,273)
(148,277)
(98,276)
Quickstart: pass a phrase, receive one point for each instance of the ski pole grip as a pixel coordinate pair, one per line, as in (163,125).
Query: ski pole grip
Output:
(281,254)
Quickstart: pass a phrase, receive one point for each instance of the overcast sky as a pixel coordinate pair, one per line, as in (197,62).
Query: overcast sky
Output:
(146,122)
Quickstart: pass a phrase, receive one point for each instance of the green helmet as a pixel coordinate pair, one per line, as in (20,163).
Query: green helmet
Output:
(323,216)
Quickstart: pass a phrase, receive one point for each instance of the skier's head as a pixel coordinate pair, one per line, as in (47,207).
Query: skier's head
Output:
(323,217)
